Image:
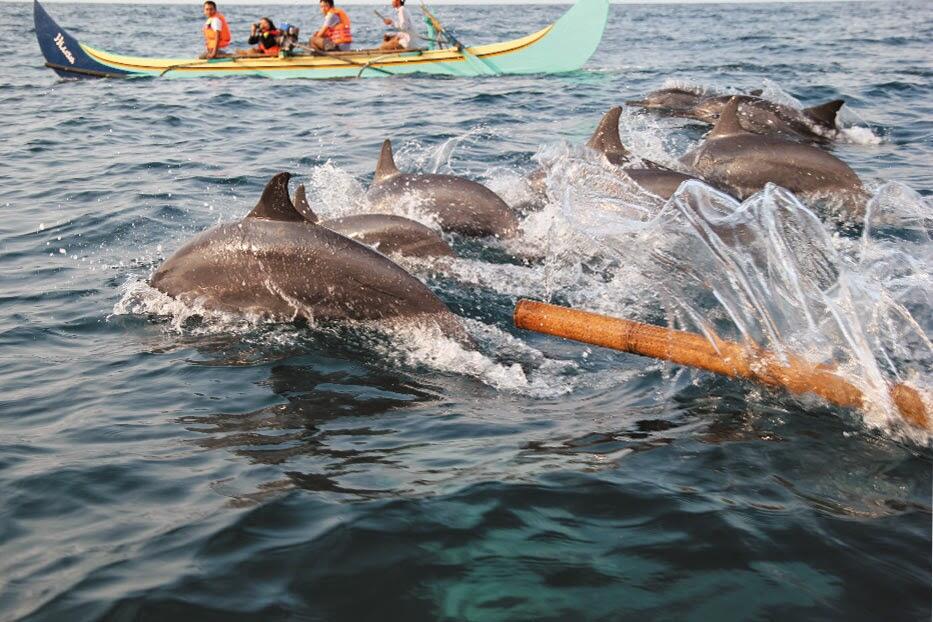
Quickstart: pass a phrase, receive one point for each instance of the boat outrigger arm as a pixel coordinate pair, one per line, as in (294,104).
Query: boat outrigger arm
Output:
(563,46)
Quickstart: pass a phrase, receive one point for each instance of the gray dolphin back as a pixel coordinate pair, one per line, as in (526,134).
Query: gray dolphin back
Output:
(279,265)
(825,114)
(672,100)
(650,176)
(390,234)
(460,205)
(761,116)
(384,232)
(302,206)
(385,167)
(606,140)
(744,163)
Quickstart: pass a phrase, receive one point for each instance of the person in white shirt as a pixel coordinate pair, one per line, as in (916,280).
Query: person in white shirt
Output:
(404,27)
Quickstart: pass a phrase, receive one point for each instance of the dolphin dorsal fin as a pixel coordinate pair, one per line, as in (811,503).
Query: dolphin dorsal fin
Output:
(274,204)
(386,168)
(728,124)
(825,113)
(756,92)
(606,138)
(302,205)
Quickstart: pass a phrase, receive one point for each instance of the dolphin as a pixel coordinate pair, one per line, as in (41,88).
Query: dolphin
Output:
(650,176)
(275,264)
(757,115)
(460,205)
(761,116)
(744,163)
(672,100)
(386,233)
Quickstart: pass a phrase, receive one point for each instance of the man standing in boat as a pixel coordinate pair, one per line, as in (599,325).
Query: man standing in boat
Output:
(334,33)
(216,32)
(404,26)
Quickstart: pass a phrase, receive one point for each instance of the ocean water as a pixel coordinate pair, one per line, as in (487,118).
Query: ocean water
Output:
(156,463)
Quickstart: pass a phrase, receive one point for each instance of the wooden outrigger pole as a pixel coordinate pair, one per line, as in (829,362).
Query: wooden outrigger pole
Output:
(481,67)
(727,358)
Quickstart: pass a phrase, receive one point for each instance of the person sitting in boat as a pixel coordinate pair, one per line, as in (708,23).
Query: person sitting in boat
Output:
(216,32)
(404,27)
(266,37)
(334,33)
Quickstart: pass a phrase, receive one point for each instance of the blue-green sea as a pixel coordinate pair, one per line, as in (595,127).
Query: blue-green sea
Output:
(157,464)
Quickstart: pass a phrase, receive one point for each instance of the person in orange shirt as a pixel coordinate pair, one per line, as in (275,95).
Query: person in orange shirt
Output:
(334,33)
(216,32)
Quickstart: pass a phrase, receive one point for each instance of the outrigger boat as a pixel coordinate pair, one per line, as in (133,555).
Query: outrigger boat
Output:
(562,46)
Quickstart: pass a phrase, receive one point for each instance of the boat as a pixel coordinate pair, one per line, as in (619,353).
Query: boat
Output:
(562,46)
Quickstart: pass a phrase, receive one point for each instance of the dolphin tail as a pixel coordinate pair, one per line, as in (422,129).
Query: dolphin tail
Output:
(606,137)
(275,204)
(825,114)
(728,124)
(385,168)
(301,204)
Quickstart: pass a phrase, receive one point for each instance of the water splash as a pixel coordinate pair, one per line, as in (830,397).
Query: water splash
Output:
(498,359)
(334,192)
(767,272)
(442,158)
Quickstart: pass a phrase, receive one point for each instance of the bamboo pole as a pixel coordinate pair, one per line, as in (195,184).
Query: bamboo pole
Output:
(728,358)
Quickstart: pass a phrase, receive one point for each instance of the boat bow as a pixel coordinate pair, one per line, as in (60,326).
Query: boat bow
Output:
(64,54)
(567,45)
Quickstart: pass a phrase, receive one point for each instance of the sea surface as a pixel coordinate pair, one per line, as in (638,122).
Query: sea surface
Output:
(157,463)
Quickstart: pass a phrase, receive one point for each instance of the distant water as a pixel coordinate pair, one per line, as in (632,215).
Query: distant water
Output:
(159,465)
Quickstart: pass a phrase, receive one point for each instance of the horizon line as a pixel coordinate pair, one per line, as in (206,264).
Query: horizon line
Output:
(436,2)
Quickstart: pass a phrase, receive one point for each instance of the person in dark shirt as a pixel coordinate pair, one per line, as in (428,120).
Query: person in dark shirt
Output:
(265,37)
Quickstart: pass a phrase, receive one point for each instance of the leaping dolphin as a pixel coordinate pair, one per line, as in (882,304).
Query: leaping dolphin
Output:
(650,176)
(744,163)
(386,233)
(761,116)
(275,264)
(460,205)
(756,115)
(672,100)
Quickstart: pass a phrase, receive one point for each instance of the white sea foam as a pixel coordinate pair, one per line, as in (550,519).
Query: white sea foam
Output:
(443,158)
(686,85)
(767,270)
(139,298)
(333,192)
(859,135)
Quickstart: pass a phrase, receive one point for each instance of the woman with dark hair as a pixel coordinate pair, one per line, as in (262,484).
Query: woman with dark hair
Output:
(265,37)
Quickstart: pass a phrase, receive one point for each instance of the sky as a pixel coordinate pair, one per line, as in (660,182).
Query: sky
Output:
(376,2)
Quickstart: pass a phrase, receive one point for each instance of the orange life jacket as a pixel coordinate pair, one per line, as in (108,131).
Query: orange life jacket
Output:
(270,51)
(210,34)
(340,33)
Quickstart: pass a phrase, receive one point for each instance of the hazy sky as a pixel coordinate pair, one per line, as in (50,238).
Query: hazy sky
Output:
(375,2)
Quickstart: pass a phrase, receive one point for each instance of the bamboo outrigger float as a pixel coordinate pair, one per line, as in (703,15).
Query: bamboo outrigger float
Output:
(563,46)
(728,358)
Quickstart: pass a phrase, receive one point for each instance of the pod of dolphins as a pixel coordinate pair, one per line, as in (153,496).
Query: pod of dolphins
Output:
(283,263)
